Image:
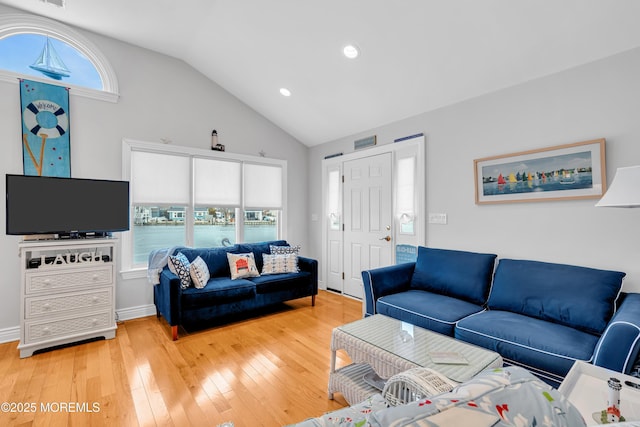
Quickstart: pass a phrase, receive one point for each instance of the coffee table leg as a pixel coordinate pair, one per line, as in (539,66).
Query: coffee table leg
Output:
(331,371)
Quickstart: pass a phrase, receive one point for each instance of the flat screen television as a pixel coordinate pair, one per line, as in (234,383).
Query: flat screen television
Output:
(69,207)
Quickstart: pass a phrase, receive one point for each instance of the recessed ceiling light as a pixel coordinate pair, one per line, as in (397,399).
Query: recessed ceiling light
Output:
(351,51)
(285,92)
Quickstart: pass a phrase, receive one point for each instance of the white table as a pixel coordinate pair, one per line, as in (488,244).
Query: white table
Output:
(585,386)
(389,346)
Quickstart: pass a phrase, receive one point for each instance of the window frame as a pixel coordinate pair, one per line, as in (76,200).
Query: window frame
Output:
(17,23)
(128,269)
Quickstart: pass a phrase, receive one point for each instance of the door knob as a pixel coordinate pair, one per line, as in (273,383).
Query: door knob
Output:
(387,238)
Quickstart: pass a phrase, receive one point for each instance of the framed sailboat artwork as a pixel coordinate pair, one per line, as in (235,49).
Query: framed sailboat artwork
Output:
(563,172)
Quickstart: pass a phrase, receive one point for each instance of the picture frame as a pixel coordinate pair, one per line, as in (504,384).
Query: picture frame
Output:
(562,172)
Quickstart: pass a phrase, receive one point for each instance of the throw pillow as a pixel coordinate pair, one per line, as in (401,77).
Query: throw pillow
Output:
(199,273)
(242,265)
(279,263)
(284,249)
(180,266)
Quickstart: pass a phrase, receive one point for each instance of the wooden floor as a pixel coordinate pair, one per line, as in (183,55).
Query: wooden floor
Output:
(270,370)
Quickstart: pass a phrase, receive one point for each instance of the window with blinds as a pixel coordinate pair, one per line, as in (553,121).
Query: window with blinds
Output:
(192,198)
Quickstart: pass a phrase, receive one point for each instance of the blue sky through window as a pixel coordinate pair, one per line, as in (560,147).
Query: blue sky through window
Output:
(19,51)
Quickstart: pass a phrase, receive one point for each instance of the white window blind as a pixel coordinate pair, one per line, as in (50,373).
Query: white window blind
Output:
(334,192)
(216,182)
(159,178)
(262,186)
(406,185)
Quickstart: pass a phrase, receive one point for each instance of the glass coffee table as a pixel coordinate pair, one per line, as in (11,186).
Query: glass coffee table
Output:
(383,346)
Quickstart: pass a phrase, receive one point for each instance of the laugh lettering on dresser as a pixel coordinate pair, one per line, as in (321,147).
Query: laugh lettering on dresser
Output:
(72,258)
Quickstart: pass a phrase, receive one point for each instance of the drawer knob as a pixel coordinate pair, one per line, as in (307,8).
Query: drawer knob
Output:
(47,282)
(95,299)
(46,330)
(46,306)
(94,322)
(95,277)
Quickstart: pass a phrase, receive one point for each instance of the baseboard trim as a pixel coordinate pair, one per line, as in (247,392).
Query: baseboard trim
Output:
(136,312)
(13,333)
(10,334)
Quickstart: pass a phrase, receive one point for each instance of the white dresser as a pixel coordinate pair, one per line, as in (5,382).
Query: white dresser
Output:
(68,292)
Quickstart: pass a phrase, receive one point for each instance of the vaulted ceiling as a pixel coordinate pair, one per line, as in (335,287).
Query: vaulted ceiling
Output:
(415,55)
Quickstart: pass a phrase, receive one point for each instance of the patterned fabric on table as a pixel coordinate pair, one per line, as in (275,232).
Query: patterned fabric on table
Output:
(180,266)
(351,416)
(496,397)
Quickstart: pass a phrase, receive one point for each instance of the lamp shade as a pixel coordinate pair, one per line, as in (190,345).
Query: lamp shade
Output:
(624,191)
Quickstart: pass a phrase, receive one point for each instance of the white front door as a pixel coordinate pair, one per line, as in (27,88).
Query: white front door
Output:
(368,211)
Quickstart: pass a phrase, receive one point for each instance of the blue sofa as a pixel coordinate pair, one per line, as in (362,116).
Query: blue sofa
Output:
(538,315)
(223,297)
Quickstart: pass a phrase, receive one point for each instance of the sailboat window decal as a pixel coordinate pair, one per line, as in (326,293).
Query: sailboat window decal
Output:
(49,58)
(49,51)
(49,62)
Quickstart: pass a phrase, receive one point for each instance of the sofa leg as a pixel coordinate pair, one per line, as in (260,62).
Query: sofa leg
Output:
(313,300)
(174,333)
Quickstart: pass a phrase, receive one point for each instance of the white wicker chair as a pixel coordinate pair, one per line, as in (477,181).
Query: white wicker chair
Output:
(415,384)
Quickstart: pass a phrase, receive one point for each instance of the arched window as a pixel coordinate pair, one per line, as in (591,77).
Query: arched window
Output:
(42,49)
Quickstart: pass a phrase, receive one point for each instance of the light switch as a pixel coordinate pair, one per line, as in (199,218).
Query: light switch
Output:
(438,218)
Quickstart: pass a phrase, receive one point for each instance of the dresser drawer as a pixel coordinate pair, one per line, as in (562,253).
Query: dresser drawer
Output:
(43,331)
(49,279)
(49,305)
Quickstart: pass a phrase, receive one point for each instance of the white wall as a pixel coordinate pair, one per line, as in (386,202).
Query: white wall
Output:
(161,97)
(601,99)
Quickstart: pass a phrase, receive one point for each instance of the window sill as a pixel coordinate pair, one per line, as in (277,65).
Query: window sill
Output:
(11,77)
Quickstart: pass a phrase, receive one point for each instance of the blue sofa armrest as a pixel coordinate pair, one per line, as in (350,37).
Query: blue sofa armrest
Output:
(167,295)
(620,343)
(385,281)
(310,265)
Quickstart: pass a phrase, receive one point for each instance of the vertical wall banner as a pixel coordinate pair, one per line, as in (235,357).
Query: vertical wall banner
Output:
(45,129)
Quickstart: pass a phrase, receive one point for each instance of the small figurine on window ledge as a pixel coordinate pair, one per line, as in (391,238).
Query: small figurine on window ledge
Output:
(214,142)
(612,413)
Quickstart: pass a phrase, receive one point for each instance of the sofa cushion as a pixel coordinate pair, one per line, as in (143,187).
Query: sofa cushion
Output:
(284,249)
(279,263)
(533,342)
(219,290)
(258,249)
(215,258)
(280,282)
(578,297)
(180,266)
(460,274)
(428,310)
(242,265)
(199,273)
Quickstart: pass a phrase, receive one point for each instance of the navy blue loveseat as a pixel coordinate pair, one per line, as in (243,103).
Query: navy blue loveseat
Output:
(538,315)
(223,297)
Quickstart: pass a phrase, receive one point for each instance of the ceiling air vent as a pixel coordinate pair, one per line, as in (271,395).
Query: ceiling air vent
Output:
(59,3)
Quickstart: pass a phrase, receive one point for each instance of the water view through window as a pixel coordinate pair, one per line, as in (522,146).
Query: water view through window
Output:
(164,227)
